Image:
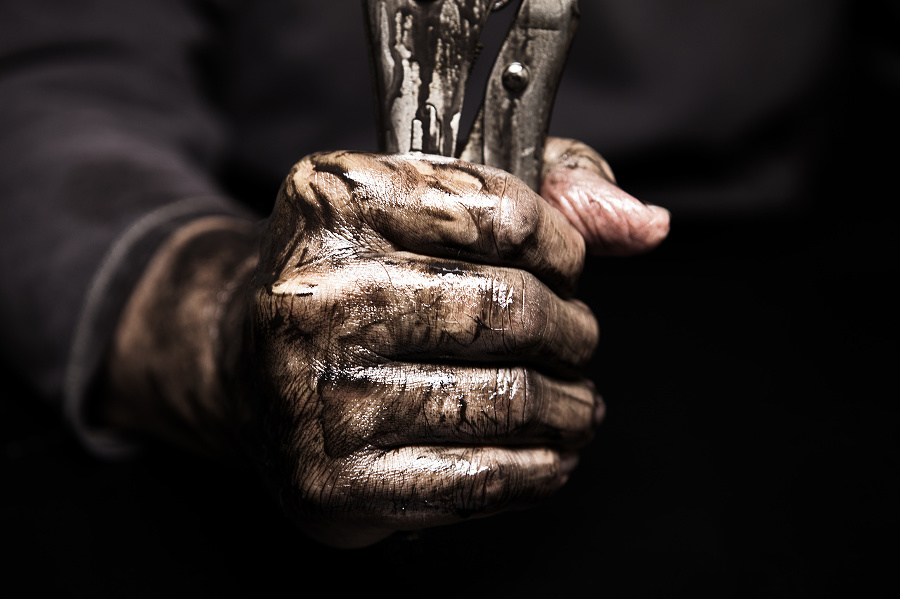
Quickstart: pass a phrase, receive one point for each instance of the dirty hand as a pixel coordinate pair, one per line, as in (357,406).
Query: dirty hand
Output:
(406,353)
(413,326)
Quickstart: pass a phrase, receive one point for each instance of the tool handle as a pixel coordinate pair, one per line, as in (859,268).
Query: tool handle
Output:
(422,53)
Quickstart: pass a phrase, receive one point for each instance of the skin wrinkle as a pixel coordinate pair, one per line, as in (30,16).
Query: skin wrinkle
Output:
(496,220)
(349,409)
(361,296)
(579,183)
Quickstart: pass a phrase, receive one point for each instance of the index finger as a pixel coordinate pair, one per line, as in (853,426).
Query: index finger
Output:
(445,207)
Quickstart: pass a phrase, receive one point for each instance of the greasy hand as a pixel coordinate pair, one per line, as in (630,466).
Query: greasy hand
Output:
(406,352)
(418,349)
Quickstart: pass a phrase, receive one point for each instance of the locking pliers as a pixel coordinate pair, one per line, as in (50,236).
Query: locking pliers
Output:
(423,52)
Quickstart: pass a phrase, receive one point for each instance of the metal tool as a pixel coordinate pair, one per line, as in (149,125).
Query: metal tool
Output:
(422,55)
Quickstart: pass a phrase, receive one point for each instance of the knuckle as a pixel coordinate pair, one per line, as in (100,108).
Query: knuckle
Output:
(524,399)
(535,318)
(517,220)
(511,312)
(320,188)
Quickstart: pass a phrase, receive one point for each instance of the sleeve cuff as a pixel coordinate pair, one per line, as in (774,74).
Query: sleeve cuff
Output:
(106,297)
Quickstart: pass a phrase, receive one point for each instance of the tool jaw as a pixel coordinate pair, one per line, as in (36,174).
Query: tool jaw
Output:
(422,54)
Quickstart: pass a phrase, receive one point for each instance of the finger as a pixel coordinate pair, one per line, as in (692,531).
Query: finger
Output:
(402,306)
(424,404)
(580,184)
(414,487)
(445,207)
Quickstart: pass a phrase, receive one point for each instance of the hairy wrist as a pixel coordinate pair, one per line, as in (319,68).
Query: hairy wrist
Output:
(172,361)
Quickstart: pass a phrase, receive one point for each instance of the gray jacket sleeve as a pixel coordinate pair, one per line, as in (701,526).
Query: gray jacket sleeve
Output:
(107,144)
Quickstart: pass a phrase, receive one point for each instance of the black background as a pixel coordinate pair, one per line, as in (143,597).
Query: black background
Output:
(750,449)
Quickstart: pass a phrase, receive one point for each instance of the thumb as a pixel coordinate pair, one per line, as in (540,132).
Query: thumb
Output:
(578,182)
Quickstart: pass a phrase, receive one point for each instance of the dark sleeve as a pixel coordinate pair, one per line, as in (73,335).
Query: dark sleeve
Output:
(106,146)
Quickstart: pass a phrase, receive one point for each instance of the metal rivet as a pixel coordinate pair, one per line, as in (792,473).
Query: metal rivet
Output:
(515,77)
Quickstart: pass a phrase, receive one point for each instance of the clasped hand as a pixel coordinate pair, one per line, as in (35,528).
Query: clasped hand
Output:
(408,350)
(420,349)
